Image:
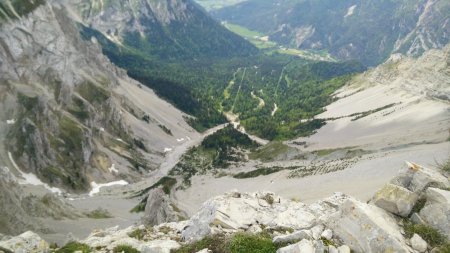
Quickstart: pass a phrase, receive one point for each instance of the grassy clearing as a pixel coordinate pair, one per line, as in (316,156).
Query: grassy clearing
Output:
(270,151)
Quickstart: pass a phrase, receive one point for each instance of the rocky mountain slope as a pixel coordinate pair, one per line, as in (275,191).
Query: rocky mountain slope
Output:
(409,214)
(368,31)
(67,114)
(401,102)
(163,29)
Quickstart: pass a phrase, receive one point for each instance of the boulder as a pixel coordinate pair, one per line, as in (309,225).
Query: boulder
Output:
(344,249)
(304,246)
(418,243)
(320,246)
(296,236)
(158,209)
(27,242)
(366,228)
(395,199)
(424,178)
(332,249)
(317,231)
(327,234)
(415,218)
(436,211)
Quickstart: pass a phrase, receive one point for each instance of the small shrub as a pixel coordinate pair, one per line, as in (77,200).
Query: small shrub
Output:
(165,229)
(269,199)
(138,234)
(216,243)
(125,249)
(444,248)
(327,242)
(245,243)
(139,207)
(166,130)
(429,234)
(99,213)
(445,166)
(72,247)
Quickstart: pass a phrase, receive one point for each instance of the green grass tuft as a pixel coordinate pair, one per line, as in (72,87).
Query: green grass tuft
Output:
(72,247)
(246,243)
(429,234)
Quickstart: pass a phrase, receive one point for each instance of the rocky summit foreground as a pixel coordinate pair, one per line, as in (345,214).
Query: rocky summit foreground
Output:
(410,214)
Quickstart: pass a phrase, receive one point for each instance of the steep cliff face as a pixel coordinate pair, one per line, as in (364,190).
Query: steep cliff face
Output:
(69,115)
(369,31)
(171,29)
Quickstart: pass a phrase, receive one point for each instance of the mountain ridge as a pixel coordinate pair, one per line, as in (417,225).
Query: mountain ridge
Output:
(369,31)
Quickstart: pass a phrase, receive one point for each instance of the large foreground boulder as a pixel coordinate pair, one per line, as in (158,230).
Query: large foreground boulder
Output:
(241,211)
(395,199)
(27,242)
(366,228)
(417,178)
(436,211)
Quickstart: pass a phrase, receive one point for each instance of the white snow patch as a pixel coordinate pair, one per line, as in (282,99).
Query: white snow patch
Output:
(102,129)
(167,150)
(31,179)
(113,169)
(180,140)
(10,121)
(350,11)
(96,187)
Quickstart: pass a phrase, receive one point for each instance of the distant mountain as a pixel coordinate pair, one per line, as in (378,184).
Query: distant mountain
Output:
(368,31)
(177,29)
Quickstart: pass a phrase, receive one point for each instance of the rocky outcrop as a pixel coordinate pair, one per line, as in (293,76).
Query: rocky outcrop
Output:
(158,208)
(436,211)
(20,210)
(13,218)
(27,242)
(62,99)
(242,211)
(161,239)
(165,28)
(367,228)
